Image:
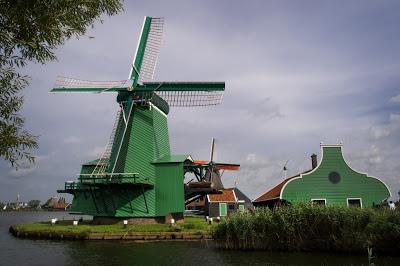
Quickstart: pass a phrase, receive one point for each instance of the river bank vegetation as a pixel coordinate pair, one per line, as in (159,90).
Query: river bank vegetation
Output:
(193,228)
(305,227)
(191,224)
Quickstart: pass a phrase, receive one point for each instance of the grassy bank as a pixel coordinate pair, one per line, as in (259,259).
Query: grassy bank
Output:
(307,228)
(192,225)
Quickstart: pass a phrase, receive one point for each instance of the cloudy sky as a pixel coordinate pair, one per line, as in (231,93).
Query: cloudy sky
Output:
(296,72)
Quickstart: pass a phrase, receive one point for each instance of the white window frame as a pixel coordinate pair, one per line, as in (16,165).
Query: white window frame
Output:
(360,199)
(312,201)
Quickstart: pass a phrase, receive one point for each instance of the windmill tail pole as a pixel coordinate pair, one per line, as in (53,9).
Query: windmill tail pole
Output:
(212,149)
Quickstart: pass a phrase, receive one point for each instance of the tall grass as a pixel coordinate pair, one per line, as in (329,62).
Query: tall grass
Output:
(304,227)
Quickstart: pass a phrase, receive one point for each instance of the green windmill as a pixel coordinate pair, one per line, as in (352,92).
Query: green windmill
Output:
(136,176)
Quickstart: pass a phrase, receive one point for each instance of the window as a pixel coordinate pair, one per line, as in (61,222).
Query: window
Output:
(318,201)
(334,177)
(231,207)
(241,207)
(354,202)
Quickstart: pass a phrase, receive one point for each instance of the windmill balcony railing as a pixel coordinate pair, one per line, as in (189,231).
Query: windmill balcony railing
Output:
(71,185)
(85,180)
(112,178)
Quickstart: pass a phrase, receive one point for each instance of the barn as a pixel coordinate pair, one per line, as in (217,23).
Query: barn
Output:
(330,182)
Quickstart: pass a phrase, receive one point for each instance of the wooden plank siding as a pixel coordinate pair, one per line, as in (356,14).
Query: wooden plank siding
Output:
(346,183)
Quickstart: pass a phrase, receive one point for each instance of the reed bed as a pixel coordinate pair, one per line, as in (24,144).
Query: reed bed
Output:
(304,227)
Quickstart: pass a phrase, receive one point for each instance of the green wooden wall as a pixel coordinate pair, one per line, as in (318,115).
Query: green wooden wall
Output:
(317,185)
(169,188)
(146,140)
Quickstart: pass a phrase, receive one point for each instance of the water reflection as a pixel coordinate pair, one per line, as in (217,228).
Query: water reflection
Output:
(198,253)
(44,252)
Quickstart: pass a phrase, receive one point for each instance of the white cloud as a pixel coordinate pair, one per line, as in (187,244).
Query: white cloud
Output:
(22,172)
(258,174)
(395,99)
(72,140)
(264,109)
(96,151)
(41,158)
(27,169)
(382,131)
(378,132)
(370,156)
(394,118)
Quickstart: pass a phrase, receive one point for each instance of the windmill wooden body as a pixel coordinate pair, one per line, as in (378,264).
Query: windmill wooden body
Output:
(137,176)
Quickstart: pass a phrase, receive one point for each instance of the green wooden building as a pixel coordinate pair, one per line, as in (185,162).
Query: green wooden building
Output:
(137,177)
(330,182)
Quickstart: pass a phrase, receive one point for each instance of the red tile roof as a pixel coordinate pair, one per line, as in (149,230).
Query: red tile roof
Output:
(228,195)
(275,192)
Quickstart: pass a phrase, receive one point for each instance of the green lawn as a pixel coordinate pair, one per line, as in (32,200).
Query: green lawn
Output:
(190,224)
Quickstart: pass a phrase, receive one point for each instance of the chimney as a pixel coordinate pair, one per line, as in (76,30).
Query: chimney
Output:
(314,160)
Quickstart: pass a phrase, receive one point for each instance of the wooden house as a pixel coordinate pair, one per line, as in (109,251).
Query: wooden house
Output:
(330,182)
(226,203)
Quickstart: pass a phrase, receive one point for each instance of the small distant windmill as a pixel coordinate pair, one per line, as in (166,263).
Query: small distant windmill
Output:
(208,178)
(285,169)
(137,176)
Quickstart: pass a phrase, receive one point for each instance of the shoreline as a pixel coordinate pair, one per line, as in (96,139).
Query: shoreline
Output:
(192,228)
(137,236)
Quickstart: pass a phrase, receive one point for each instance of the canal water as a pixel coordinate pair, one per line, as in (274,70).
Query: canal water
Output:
(15,251)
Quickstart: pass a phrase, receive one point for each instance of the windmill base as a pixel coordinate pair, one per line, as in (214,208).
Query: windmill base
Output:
(178,217)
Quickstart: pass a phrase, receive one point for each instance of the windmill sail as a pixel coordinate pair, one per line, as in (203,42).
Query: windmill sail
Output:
(176,94)
(147,51)
(152,50)
(187,94)
(64,84)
